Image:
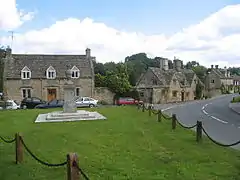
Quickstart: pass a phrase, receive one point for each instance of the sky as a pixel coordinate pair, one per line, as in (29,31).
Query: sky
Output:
(203,31)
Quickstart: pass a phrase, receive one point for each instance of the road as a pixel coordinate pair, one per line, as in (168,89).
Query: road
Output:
(220,122)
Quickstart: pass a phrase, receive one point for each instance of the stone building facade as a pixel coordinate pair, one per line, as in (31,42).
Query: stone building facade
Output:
(43,76)
(164,85)
(216,79)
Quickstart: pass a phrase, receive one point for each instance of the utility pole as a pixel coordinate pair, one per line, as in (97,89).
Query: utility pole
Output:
(11,38)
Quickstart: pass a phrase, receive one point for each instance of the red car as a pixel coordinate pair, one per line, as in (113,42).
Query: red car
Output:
(127,101)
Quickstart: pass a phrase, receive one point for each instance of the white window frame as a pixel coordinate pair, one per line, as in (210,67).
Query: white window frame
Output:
(75,72)
(51,73)
(26,73)
(27,92)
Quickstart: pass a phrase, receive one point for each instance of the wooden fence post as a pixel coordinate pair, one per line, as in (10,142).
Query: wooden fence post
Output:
(174,121)
(143,107)
(149,110)
(159,115)
(72,170)
(199,131)
(19,148)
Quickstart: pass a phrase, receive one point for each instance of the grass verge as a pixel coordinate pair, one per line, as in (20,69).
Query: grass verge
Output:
(129,145)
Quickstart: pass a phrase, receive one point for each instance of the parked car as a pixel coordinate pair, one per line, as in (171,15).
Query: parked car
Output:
(86,102)
(127,101)
(30,103)
(9,104)
(51,104)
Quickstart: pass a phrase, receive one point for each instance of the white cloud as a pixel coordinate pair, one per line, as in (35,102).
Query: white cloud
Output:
(11,17)
(215,40)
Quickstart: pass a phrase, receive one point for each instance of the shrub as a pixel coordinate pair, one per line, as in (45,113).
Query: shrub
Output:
(235,99)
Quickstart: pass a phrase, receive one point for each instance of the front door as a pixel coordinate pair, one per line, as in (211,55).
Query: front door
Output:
(52,94)
(182,96)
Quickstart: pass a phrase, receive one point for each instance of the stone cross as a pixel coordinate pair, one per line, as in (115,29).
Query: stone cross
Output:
(69,105)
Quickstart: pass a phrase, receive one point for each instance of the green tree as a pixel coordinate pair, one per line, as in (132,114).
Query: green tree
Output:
(2,55)
(118,81)
(199,90)
(100,80)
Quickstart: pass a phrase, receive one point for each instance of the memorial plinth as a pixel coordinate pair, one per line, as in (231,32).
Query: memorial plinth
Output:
(70,112)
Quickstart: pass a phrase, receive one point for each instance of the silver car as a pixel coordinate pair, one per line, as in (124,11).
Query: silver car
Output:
(86,102)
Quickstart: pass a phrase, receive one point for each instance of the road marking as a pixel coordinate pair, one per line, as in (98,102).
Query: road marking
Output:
(213,117)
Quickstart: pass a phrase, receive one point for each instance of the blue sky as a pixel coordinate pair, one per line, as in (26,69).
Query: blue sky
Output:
(147,16)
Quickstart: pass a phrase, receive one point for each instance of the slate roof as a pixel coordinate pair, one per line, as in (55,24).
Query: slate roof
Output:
(184,77)
(220,73)
(38,64)
(236,77)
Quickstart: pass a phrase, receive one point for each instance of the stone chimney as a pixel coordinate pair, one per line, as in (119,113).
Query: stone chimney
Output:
(165,64)
(228,74)
(8,52)
(216,66)
(161,63)
(88,53)
(225,71)
(211,66)
(177,64)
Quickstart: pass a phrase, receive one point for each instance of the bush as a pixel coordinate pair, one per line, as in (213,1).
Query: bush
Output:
(236,99)
(102,102)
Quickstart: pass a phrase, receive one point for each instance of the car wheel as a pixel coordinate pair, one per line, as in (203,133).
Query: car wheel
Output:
(24,107)
(91,105)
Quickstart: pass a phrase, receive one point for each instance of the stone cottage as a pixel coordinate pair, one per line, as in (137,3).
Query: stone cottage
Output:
(163,85)
(43,76)
(216,79)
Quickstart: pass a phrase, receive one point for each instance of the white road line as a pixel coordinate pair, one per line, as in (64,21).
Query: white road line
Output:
(213,117)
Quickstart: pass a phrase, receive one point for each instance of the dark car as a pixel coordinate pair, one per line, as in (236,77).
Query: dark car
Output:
(51,104)
(127,101)
(30,103)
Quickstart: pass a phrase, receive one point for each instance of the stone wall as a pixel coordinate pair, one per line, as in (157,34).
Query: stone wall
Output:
(104,94)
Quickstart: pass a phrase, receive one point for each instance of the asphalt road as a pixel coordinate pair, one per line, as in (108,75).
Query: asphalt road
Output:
(220,122)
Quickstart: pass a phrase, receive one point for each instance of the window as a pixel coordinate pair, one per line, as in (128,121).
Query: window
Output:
(25,73)
(75,72)
(26,93)
(86,99)
(174,81)
(141,94)
(77,91)
(195,81)
(174,93)
(36,100)
(51,73)
(212,81)
(154,81)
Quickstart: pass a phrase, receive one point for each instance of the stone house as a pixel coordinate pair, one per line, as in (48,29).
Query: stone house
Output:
(216,80)
(43,76)
(164,85)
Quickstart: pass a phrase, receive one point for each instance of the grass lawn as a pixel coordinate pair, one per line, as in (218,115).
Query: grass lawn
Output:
(129,145)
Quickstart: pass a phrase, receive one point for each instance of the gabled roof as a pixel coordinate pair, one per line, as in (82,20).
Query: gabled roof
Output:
(50,68)
(38,64)
(74,68)
(25,69)
(184,77)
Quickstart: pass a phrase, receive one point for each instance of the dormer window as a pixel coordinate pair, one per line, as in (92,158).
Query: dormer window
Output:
(75,72)
(25,73)
(51,73)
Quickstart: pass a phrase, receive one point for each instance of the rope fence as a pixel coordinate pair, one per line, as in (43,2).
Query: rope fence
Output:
(73,169)
(199,126)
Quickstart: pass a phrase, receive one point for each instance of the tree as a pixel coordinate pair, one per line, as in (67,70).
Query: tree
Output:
(2,55)
(199,90)
(117,81)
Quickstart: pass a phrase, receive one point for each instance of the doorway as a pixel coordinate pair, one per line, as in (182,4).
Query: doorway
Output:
(52,94)
(182,96)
